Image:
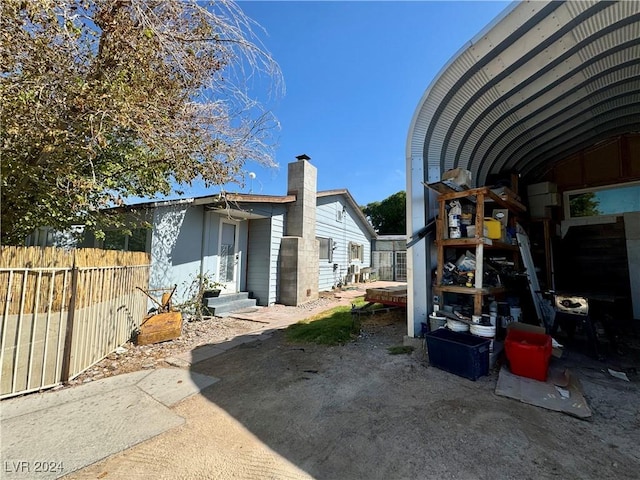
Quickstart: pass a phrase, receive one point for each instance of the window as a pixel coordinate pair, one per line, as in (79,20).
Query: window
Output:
(117,240)
(611,200)
(356,252)
(326,249)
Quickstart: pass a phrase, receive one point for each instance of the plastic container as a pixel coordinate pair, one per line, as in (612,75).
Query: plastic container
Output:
(459,353)
(494,228)
(528,353)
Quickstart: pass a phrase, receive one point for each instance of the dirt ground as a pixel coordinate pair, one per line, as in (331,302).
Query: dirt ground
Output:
(355,412)
(132,358)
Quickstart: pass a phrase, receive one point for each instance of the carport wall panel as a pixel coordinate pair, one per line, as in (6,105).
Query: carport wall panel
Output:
(299,270)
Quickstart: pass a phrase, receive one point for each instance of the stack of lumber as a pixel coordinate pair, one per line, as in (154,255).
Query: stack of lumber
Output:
(387,295)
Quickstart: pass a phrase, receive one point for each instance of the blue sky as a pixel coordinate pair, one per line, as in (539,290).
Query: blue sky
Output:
(354,73)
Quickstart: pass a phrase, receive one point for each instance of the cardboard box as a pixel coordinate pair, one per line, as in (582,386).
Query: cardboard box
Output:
(545,200)
(457,176)
(541,188)
(540,211)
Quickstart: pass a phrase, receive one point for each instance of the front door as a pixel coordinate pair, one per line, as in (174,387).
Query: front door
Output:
(228,255)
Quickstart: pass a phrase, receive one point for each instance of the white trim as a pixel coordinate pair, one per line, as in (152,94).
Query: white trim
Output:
(565,225)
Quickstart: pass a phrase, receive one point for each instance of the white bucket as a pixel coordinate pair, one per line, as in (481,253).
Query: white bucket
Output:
(456,326)
(436,322)
(484,331)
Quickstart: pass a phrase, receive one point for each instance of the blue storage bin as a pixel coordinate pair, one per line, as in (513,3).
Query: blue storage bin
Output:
(459,353)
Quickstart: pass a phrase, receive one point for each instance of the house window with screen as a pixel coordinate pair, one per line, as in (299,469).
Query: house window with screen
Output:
(356,252)
(326,249)
(118,240)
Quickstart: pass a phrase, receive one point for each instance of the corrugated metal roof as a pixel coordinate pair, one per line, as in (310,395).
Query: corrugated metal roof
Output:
(542,82)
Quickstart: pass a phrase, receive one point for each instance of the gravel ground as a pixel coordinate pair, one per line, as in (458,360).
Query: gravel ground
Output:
(131,357)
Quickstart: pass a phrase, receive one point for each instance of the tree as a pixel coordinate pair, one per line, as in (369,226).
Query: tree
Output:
(101,100)
(584,205)
(389,216)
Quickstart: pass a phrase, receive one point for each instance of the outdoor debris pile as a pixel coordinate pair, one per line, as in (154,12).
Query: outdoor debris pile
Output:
(462,272)
(162,323)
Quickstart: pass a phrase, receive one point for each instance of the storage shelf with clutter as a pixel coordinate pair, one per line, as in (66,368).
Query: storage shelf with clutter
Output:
(476,241)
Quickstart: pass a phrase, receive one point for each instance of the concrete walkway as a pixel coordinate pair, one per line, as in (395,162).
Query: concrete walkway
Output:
(50,434)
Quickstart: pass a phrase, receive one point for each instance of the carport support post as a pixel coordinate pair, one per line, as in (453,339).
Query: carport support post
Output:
(418,255)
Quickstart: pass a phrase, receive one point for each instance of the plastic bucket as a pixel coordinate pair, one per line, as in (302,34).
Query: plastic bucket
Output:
(484,331)
(436,322)
(456,326)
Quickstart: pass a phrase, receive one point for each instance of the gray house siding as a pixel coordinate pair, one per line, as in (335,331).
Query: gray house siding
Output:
(337,220)
(277,232)
(176,247)
(258,259)
(263,246)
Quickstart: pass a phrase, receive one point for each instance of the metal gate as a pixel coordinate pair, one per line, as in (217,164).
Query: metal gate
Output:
(57,322)
(390,265)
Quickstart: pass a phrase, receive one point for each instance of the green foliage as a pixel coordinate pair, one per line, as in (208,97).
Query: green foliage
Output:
(334,327)
(389,216)
(193,291)
(105,100)
(400,350)
(584,205)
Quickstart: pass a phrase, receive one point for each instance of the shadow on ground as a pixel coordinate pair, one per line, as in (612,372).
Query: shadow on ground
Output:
(293,411)
(354,411)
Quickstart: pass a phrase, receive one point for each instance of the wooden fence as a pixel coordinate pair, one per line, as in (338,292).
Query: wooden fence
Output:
(63,311)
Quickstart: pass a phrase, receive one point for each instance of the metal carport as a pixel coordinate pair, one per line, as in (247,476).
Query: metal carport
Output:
(544,80)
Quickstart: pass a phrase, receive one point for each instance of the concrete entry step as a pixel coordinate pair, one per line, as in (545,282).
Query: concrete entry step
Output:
(223,305)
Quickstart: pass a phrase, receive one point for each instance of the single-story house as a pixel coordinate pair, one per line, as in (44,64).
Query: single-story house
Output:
(281,248)
(548,95)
